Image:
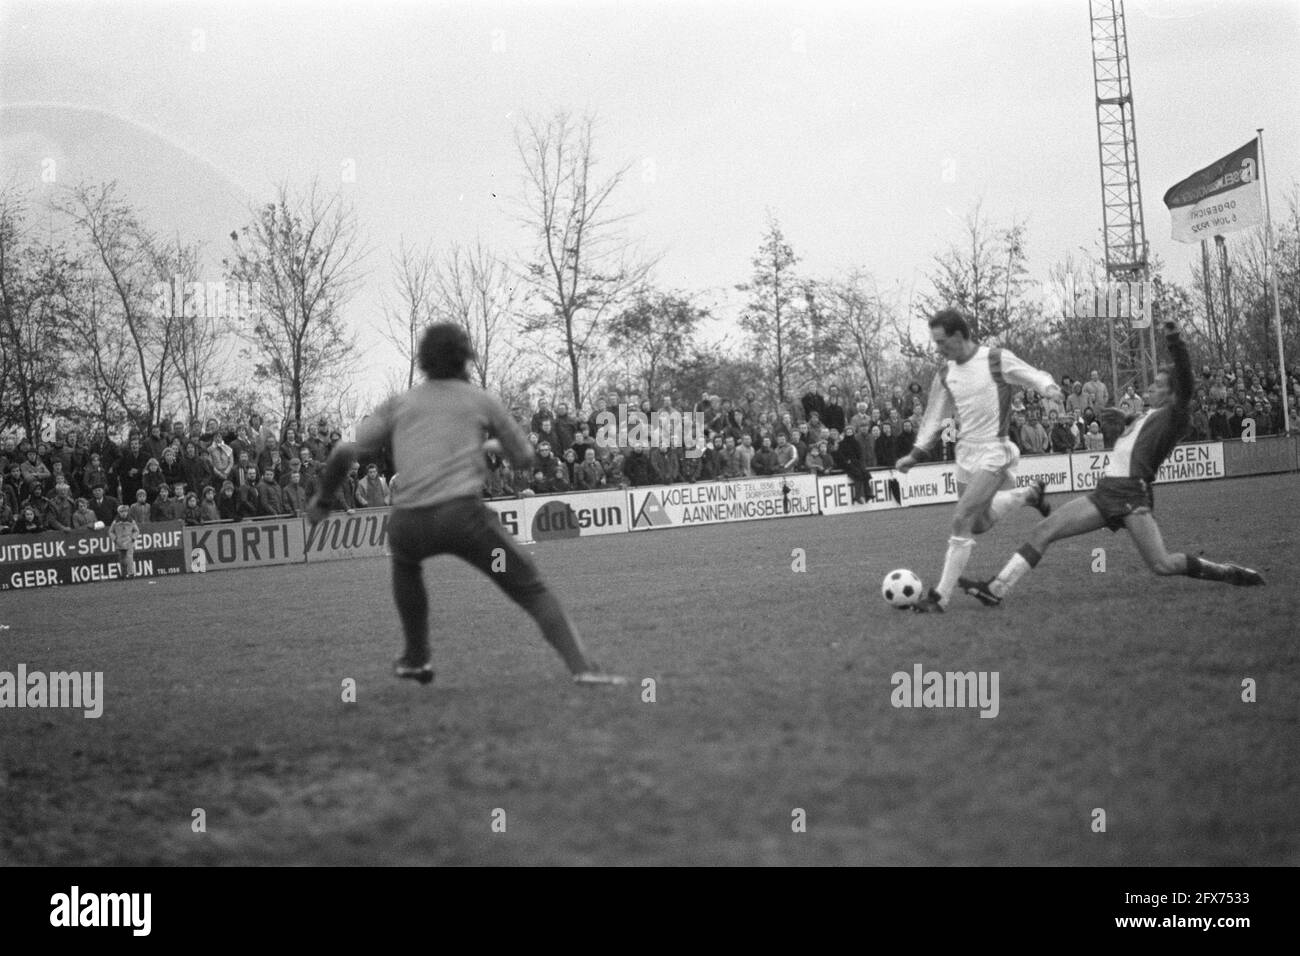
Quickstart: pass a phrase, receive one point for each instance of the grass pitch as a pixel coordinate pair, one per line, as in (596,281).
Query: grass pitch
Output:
(1118,691)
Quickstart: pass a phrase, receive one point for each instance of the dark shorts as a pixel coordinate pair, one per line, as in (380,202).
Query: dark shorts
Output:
(1117,498)
(471,531)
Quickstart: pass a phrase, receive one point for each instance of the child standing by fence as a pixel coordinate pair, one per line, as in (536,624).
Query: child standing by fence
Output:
(123,532)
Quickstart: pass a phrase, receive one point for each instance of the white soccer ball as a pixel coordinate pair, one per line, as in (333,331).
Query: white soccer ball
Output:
(901,588)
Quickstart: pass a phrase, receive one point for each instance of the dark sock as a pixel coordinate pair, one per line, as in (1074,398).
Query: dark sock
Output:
(1031,554)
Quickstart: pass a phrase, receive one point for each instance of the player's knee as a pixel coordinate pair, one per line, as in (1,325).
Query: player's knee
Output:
(963,522)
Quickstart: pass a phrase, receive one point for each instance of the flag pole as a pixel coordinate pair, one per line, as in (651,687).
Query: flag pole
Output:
(1272,274)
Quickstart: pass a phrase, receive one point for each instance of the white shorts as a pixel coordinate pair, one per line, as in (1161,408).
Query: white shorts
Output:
(1000,455)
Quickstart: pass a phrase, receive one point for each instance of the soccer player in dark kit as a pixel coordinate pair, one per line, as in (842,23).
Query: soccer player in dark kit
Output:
(1123,497)
(438,432)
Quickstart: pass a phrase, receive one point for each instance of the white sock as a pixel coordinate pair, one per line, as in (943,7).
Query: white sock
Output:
(1006,501)
(1020,564)
(954,563)
(1009,575)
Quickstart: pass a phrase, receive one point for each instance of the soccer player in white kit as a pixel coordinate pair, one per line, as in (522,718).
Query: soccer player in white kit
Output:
(975,386)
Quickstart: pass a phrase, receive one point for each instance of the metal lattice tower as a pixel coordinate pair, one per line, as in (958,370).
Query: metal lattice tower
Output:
(1132,350)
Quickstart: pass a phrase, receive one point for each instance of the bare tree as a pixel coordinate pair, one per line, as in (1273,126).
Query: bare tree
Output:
(33,319)
(985,276)
(656,334)
(475,289)
(411,306)
(858,318)
(583,266)
(202,334)
(132,262)
(776,327)
(301,254)
(102,360)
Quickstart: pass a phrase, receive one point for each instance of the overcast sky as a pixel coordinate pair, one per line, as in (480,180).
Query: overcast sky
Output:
(842,118)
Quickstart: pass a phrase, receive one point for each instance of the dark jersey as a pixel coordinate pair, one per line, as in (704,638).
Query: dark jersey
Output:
(1147,442)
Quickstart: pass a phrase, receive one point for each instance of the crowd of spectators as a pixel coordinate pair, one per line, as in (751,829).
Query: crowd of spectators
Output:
(211,472)
(842,432)
(214,472)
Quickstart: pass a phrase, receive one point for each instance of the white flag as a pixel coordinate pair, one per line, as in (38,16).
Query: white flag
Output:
(1218,199)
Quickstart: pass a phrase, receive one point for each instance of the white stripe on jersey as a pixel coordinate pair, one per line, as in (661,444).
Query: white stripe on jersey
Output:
(1121,456)
(983,405)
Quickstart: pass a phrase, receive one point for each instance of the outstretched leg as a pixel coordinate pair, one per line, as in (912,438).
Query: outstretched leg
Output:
(1151,545)
(1076,517)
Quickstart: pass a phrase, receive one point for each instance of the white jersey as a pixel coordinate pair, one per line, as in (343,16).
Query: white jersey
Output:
(977,393)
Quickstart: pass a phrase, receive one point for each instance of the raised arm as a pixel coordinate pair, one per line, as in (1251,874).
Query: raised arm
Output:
(1019,372)
(1182,375)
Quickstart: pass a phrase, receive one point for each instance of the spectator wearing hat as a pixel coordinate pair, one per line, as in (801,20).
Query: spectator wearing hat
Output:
(103,505)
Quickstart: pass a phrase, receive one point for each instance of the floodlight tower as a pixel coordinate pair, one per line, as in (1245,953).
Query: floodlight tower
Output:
(1132,350)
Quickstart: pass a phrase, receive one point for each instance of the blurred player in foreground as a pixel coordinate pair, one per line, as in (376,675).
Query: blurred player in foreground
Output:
(975,385)
(438,432)
(1123,497)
